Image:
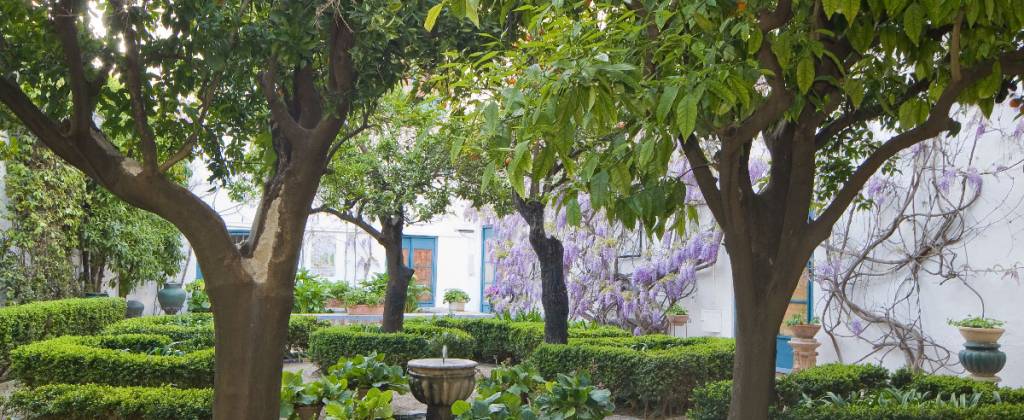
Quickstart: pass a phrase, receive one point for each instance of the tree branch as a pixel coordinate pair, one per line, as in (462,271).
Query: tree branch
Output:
(133,78)
(347,217)
(937,122)
(774,19)
(860,115)
(65,14)
(702,172)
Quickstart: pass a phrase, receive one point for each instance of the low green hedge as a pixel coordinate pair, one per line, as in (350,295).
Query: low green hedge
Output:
(509,341)
(711,402)
(89,402)
(23,324)
(646,372)
(198,327)
(328,345)
(911,412)
(76,360)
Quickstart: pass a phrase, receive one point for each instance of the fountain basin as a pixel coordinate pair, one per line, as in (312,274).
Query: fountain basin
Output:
(439,383)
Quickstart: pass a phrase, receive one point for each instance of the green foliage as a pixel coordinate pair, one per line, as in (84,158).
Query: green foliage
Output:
(23,324)
(295,392)
(329,345)
(642,371)
(197,328)
(456,296)
(500,340)
(376,404)
(800,319)
(911,412)
(135,343)
(369,292)
(976,322)
(710,401)
(519,392)
(833,377)
(76,360)
(574,397)
(365,372)
(198,300)
(92,401)
(59,220)
(338,290)
(310,293)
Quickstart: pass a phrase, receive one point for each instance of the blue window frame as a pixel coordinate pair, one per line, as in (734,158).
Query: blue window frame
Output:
(486,267)
(420,253)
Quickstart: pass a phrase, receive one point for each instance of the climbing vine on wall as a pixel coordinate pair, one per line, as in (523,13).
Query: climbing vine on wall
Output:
(67,236)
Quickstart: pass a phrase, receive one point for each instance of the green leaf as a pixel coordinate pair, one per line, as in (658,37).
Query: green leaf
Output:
(855,90)
(432,15)
(572,212)
(460,407)
(831,6)
(913,22)
(686,114)
(599,188)
(754,43)
(472,14)
(851,9)
(668,98)
(805,74)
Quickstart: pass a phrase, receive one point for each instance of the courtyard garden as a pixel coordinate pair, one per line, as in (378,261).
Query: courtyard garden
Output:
(511,209)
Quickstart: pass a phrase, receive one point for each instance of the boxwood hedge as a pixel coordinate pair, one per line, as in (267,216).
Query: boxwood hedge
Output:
(198,327)
(91,401)
(711,401)
(76,360)
(509,341)
(328,345)
(648,372)
(23,324)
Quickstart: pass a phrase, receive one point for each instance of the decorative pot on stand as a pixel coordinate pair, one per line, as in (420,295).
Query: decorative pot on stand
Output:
(135,309)
(805,346)
(439,383)
(171,298)
(309,412)
(981,355)
(678,320)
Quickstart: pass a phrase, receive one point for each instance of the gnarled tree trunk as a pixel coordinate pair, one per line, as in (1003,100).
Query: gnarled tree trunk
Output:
(549,250)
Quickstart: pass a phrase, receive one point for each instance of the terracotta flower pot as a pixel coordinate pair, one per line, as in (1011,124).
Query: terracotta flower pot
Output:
(678,320)
(456,306)
(366,310)
(805,331)
(334,303)
(981,335)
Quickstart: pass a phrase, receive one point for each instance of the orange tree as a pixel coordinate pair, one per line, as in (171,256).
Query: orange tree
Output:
(833,89)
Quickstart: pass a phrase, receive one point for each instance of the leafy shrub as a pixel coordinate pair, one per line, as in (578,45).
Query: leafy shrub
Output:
(72,360)
(328,345)
(23,324)
(198,300)
(365,372)
(711,401)
(911,412)
(834,377)
(661,375)
(501,340)
(91,401)
(520,392)
(311,293)
(976,322)
(136,343)
(197,328)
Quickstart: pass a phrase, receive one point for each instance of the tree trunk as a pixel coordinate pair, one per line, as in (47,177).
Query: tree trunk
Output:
(399,274)
(549,250)
(252,328)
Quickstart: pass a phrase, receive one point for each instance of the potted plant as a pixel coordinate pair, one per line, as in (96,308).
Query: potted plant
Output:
(336,292)
(981,355)
(677,315)
(364,302)
(456,299)
(802,328)
(361,373)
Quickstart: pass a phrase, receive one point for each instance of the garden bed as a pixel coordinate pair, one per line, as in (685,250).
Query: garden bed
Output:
(416,341)
(23,324)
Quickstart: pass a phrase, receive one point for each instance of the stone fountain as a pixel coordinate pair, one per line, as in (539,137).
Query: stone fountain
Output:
(439,383)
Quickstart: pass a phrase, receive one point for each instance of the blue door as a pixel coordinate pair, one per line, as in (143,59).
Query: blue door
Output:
(486,267)
(420,253)
(800,304)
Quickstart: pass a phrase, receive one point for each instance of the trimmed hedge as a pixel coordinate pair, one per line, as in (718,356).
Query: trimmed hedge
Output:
(653,371)
(23,324)
(88,402)
(76,360)
(509,341)
(912,412)
(328,345)
(711,402)
(198,327)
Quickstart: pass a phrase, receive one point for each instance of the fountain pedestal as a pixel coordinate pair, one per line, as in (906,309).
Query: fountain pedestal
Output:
(439,383)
